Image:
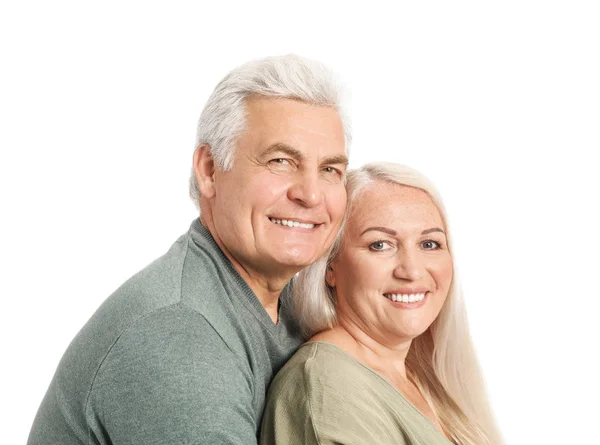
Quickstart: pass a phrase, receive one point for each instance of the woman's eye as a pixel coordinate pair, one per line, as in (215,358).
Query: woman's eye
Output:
(380,245)
(430,245)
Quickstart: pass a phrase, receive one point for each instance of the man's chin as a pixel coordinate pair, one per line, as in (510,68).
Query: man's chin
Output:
(295,260)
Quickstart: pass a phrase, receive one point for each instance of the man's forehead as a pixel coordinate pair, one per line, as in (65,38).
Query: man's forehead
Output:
(278,111)
(293,127)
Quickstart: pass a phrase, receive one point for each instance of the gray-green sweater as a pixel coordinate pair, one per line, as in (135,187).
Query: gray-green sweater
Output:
(182,353)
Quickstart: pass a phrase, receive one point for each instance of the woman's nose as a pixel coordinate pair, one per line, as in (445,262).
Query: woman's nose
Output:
(409,267)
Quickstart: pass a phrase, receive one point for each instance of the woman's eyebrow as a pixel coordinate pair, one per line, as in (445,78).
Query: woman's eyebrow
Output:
(393,232)
(434,229)
(380,229)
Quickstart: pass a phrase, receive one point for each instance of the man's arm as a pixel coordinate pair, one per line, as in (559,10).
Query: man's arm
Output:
(172,379)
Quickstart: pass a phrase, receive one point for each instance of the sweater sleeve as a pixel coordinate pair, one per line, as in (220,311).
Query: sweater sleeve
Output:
(160,384)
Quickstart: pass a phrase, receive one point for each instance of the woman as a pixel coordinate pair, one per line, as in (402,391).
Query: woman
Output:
(390,360)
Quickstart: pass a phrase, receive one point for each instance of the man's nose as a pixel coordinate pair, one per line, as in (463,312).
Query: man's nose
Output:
(409,267)
(306,190)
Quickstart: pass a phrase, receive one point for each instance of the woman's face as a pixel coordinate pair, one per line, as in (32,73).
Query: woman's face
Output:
(394,271)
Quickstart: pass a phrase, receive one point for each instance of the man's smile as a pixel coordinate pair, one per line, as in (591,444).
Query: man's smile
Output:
(294,223)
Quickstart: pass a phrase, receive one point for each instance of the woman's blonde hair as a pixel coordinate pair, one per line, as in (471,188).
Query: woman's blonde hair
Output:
(441,361)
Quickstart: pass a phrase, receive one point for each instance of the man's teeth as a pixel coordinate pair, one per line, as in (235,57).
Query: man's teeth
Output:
(405,298)
(290,223)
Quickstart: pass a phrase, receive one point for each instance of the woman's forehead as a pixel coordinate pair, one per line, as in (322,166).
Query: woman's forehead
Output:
(394,204)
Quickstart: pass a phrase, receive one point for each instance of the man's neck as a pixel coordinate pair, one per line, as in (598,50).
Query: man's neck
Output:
(266,287)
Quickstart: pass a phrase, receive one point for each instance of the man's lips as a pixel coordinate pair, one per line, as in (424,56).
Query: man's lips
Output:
(294,222)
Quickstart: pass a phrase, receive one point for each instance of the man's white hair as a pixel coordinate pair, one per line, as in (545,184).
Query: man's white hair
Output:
(223,119)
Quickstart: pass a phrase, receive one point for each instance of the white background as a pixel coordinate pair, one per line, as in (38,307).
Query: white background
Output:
(498,102)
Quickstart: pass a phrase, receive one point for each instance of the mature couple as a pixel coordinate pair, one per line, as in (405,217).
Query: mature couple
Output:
(187,351)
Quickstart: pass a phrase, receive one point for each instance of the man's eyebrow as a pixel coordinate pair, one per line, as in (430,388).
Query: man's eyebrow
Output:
(338,159)
(298,155)
(283,148)
(435,229)
(380,229)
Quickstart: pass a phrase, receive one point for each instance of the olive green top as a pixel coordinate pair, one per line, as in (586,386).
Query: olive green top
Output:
(325,396)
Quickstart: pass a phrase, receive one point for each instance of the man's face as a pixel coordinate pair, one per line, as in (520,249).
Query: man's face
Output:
(280,207)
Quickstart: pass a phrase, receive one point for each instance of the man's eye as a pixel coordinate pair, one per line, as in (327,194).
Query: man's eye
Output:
(281,164)
(430,245)
(379,246)
(333,174)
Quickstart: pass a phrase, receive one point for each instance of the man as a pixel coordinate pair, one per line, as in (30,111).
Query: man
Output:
(184,351)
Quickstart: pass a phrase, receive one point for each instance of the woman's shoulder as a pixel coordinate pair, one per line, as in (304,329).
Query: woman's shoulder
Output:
(325,391)
(318,367)
(306,396)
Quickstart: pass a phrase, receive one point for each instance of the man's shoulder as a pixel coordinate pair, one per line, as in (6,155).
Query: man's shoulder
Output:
(156,286)
(171,343)
(164,301)
(144,300)
(171,372)
(173,329)
(171,364)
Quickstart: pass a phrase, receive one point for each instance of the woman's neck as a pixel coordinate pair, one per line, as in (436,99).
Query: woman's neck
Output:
(382,355)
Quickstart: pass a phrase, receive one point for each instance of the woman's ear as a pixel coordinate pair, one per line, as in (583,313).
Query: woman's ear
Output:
(204,170)
(330,276)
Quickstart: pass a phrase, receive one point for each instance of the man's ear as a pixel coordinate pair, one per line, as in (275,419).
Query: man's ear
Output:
(204,169)
(330,276)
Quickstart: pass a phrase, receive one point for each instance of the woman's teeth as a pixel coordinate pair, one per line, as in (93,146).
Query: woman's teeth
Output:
(290,223)
(405,298)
